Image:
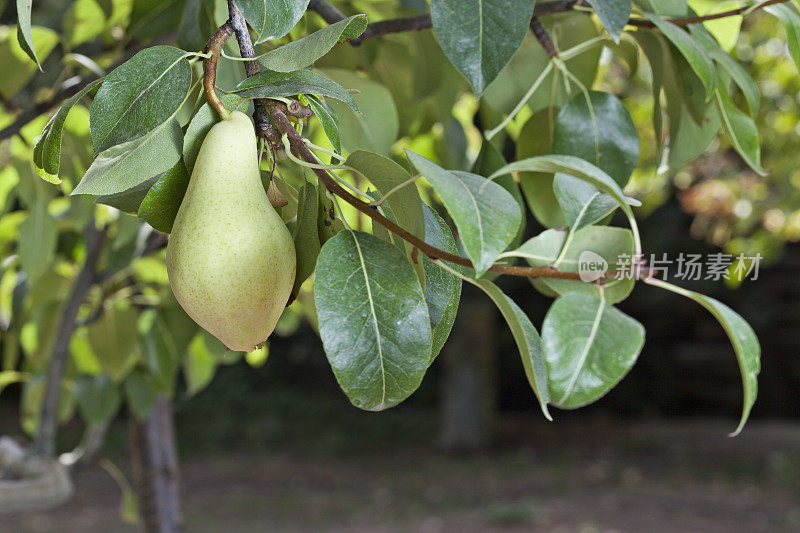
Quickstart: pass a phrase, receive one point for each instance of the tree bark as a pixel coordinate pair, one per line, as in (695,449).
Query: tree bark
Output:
(154,459)
(467,403)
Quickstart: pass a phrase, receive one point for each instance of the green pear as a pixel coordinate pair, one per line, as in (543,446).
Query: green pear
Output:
(230,259)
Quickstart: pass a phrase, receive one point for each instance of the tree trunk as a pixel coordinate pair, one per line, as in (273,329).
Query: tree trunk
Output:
(154,459)
(467,401)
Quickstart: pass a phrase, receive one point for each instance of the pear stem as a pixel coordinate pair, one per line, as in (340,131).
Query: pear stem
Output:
(214,48)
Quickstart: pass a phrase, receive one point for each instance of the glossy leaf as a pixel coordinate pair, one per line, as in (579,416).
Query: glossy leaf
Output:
(303,52)
(480,36)
(139,95)
(160,206)
(373,319)
(589,346)
(600,131)
(486,215)
(273,19)
(742,337)
(274,84)
(47,150)
(127,165)
(442,289)
(613,14)
(129,200)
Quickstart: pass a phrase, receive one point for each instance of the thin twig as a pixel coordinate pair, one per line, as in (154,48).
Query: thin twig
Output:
(543,37)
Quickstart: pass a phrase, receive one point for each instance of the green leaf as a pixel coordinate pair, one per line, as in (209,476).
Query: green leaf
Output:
(385,175)
(141,393)
(271,20)
(376,126)
(139,95)
(581,203)
(164,198)
(599,243)
(480,36)
(696,56)
(24,35)
(741,130)
(600,131)
(269,84)
(327,119)
(37,240)
(303,52)
(373,319)
(306,236)
(14,58)
(486,215)
(528,342)
(129,200)
(611,142)
(98,398)
(199,366)
(738,74)
(201,124)
(725,30)
(114,339)
(613,14)
(47,150)
(589,346)
(127,165)
(442,289)
(742,337)
(788,15)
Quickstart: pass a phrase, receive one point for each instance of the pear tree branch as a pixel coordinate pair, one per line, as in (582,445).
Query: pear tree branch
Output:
(281,125)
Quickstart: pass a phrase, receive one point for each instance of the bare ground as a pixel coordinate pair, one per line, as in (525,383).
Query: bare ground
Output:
(580,476)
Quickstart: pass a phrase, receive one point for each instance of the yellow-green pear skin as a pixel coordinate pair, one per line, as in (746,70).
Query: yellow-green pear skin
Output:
(230,259)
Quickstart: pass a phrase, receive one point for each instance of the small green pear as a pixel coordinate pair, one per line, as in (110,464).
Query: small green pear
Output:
(230,259)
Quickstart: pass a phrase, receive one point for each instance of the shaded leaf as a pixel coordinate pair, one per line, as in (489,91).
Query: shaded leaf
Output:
(479,36)
(98,398)
(589,346)
(160,206)
(613,14)
(373,319)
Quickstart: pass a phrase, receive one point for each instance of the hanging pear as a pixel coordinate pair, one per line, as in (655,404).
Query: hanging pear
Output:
(230,259)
